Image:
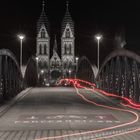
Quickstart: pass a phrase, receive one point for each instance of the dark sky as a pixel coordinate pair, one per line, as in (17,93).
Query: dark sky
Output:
(90,17)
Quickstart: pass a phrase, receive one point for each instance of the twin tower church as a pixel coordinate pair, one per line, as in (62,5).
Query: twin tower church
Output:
(53,67)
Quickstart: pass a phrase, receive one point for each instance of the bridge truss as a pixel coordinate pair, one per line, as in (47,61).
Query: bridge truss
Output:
(120,74)
(11,80)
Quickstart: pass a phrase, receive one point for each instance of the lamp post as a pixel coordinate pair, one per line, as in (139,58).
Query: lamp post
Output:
(77,58)
(98,37)
(69,73)
(37,66)
(21,37)
(42,76)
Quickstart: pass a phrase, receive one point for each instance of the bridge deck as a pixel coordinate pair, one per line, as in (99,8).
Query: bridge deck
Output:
(45,112)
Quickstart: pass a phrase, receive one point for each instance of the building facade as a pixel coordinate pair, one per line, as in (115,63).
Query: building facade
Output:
(51,68)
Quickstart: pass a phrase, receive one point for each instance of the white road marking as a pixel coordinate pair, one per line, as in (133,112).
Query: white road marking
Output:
(26,121)
(17,122)
(59,121)
(59,116)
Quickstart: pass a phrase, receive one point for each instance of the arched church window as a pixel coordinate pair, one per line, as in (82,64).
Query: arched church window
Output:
(42,33)
(65,49)
(45,49)
(70,49)
(67,33)
(40,49)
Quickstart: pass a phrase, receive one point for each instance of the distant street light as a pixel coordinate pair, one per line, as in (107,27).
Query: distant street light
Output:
(37,65)
(98,37)
(21,37)
(77,58)
(69,73)
(42,71)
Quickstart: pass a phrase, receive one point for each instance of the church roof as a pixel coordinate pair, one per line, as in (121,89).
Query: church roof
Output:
(43,20)
(55,54)
(67,19)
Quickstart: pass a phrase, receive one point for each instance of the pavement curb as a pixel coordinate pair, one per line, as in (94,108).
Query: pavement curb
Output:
(4,108)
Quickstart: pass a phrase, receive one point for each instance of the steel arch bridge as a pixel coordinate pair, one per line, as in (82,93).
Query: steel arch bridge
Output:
(120,74)
(31,73)
(85,70)
(11,80)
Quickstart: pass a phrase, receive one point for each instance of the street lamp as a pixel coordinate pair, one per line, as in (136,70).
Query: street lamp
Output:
(42,76)
(21,37)
(98,37)
(37,65)
(77,58)
(69,73)
(42,71)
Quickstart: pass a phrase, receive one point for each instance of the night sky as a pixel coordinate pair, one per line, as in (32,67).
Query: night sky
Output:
(90,17)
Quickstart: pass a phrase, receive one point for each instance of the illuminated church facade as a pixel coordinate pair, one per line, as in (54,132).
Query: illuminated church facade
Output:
(54,67)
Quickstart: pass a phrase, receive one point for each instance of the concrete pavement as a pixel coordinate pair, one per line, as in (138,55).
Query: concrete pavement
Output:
(56,111)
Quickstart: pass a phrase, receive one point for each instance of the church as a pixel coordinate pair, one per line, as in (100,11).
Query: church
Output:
(52,68)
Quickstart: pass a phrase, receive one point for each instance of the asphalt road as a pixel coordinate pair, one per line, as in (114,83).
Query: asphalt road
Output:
(45,112)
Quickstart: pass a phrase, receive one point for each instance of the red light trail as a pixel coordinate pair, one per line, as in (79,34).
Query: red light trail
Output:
(77,84)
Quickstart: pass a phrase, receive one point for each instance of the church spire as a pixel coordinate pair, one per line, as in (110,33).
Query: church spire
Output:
(43,20)
(55,45)
(67,4)
(67,19)
(43,5)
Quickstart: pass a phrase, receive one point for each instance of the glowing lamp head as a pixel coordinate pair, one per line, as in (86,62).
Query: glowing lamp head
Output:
(21,37)
(42,71)
(98,37)
(77,58)
(37,58)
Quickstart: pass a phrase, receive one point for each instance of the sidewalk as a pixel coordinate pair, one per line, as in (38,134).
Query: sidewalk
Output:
(8,104)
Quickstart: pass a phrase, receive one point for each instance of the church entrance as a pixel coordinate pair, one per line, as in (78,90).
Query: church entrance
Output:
(55,75)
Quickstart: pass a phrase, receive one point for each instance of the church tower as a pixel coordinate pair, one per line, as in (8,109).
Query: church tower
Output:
(43,39)
(67,43)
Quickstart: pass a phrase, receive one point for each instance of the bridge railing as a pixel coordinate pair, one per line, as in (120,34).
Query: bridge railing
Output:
(120,74)
(11,81)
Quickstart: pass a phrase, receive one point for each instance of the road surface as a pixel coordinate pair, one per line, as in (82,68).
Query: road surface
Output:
(57,111)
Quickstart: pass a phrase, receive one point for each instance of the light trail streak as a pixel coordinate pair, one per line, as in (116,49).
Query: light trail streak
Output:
(130,101)
(126,105)
(76,84)
(115,135)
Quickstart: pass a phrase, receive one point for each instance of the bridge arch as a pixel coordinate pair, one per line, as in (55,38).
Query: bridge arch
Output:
(85,70)
(31,73)
(11,80)
(120,74)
